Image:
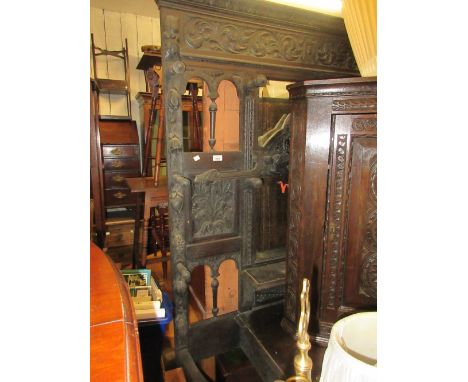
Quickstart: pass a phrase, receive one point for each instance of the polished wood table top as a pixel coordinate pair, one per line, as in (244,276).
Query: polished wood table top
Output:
(114,339)
(145,184)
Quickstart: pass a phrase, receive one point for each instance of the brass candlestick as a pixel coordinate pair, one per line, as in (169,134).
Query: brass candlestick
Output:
(302,362)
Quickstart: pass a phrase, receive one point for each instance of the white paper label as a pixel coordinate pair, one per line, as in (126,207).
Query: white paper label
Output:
(196,158)
(217,158)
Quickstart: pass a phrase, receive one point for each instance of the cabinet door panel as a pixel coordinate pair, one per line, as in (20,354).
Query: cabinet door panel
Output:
(360,275)
(351,237)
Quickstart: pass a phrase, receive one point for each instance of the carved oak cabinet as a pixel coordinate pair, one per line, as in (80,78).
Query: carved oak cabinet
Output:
(333,199)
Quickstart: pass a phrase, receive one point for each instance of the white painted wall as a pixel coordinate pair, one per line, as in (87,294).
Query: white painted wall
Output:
(110,30)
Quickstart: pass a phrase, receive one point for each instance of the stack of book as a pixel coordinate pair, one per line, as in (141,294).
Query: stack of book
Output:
(147,297)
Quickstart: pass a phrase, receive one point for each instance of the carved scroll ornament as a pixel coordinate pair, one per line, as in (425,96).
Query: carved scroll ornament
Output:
(240,39)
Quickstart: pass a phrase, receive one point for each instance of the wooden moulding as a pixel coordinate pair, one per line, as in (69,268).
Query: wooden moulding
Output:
(284,42)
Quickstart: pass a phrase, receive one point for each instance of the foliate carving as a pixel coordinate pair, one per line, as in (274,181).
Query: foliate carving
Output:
(176,197)
(213,206)
(179,242)
(364,124)
(174,142)
(368,281)
(240,39)
(181,280)
(368,277)
(177,184)
(170,35)
(354,104)
(173,99)
(336,221)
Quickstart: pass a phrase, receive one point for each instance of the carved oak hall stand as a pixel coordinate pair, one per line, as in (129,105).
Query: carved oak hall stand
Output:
(246,42)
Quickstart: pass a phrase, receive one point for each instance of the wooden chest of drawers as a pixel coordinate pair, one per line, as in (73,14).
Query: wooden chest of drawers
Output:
(119,232)
(121,159)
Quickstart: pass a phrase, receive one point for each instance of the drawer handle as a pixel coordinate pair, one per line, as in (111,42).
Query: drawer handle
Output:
(116,151)
(118,178)
(120,195)
(117,164)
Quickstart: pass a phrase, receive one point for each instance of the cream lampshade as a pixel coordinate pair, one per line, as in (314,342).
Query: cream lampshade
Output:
(360,18)
(351,355)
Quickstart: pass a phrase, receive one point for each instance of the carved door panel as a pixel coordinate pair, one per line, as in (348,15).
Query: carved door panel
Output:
(212,213)
(360,278)
(350,278)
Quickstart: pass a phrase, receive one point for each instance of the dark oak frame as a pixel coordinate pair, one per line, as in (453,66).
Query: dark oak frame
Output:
(271,41)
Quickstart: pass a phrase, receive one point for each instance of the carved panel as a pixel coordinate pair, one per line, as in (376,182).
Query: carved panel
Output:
(364,124)
(368,277)
(354,104)
(244,39)
(335,225)
(213,207)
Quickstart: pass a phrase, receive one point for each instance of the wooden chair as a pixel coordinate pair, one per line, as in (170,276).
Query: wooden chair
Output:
(159,228)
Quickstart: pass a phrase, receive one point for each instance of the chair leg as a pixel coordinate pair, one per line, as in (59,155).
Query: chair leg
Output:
(164,264)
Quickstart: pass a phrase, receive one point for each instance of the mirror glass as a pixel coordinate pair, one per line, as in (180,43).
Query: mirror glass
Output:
(272,197)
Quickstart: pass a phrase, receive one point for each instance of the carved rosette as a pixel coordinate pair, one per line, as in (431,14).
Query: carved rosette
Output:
(335,224)
(368,277)
(257,42)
